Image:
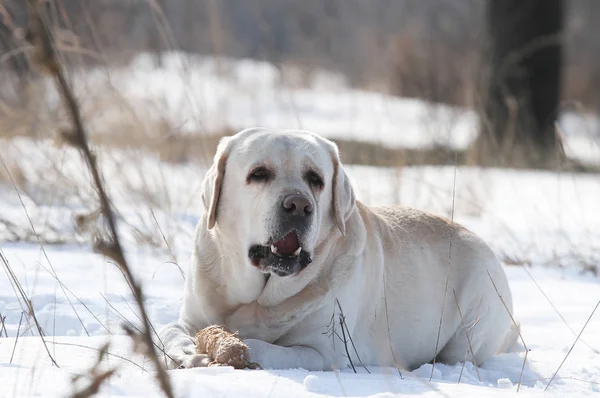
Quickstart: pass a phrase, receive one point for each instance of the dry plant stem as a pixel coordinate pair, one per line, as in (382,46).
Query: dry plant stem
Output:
(98,350)
(389,332)
(128,325)
(462,368)
(94,387)
(437,342)
(166,241)
(16,338)
(2,326)
(17,285)
(515,325)
(344,325)
(96,375)
(43,249)
(573,346)
(78,138)
(462,321)
(556,309)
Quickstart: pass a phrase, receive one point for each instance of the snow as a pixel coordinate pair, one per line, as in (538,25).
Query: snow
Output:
(527,216)
(545,334)
(544,226)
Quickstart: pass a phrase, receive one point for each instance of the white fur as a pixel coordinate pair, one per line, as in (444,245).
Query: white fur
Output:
(388,269)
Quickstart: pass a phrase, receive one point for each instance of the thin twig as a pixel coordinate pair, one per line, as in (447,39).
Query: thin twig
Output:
(346,343)
(556,309)
(96,376)
(515,325)
(462,321)
(389,332)
(439,332)
(41,244)
(462,368)
(98,350)
(129,325)
(138,317)
(573,346)
(350,336)
(46,56)
(95,383)
(118,313)
(16,338)
(165,240)
(27,303)
(2,326)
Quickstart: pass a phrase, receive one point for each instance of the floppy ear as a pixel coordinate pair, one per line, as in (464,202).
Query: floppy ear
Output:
(211,186)
(343,199)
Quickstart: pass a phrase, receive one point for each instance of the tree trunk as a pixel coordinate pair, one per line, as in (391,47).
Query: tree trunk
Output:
(523,86)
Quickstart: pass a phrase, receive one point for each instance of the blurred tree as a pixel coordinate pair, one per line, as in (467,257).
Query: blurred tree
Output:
(523,86)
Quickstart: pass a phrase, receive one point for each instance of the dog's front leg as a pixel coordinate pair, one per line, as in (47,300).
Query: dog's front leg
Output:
(180,348)
(271,356)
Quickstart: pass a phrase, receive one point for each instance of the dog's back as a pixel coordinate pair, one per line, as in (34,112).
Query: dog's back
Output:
(432,265)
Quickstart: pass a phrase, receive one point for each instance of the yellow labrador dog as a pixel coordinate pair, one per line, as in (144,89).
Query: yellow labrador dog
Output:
(287,256)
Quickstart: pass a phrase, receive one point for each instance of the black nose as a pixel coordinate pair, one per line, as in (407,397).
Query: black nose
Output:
(297,205)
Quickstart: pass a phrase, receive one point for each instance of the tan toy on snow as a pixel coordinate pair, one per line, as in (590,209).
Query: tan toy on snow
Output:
(224,348)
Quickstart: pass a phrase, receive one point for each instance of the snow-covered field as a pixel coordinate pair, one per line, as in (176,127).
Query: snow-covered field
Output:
(545,227)
(199,95)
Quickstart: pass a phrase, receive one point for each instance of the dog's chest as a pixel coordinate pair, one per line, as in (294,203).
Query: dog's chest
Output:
(256,322)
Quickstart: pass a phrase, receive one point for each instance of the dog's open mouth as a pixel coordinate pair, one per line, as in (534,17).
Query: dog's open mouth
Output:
(288,246)
(282,257)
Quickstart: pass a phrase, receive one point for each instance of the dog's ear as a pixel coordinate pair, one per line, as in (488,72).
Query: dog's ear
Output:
(343,199)
(211,186)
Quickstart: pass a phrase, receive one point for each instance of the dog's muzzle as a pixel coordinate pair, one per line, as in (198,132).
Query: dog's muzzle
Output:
(283,254)
(283,257)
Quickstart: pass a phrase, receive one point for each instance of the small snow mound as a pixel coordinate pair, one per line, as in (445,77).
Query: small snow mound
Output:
(311,383)
(425,372)
(504,383)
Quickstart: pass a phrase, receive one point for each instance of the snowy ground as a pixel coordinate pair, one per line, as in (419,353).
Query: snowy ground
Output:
(544,219)
(544,226)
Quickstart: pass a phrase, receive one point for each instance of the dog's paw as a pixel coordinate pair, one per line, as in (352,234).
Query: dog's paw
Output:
(258,353)
(195,361)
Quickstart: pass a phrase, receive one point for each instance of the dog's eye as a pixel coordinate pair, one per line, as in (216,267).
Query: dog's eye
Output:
(259,174)
(314,179)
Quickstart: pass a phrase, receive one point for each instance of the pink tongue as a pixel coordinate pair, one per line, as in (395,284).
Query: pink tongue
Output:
(288,244)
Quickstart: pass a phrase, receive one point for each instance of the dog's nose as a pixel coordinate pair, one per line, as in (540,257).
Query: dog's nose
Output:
(297,205)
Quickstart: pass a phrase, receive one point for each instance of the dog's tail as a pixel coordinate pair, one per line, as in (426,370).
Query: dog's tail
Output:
(511,338)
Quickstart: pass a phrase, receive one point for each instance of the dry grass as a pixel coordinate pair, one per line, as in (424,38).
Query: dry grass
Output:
(45,57)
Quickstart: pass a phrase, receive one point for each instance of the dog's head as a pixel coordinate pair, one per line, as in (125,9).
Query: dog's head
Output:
(275,195)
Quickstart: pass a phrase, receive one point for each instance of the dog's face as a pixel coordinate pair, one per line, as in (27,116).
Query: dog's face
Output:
(274,195)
